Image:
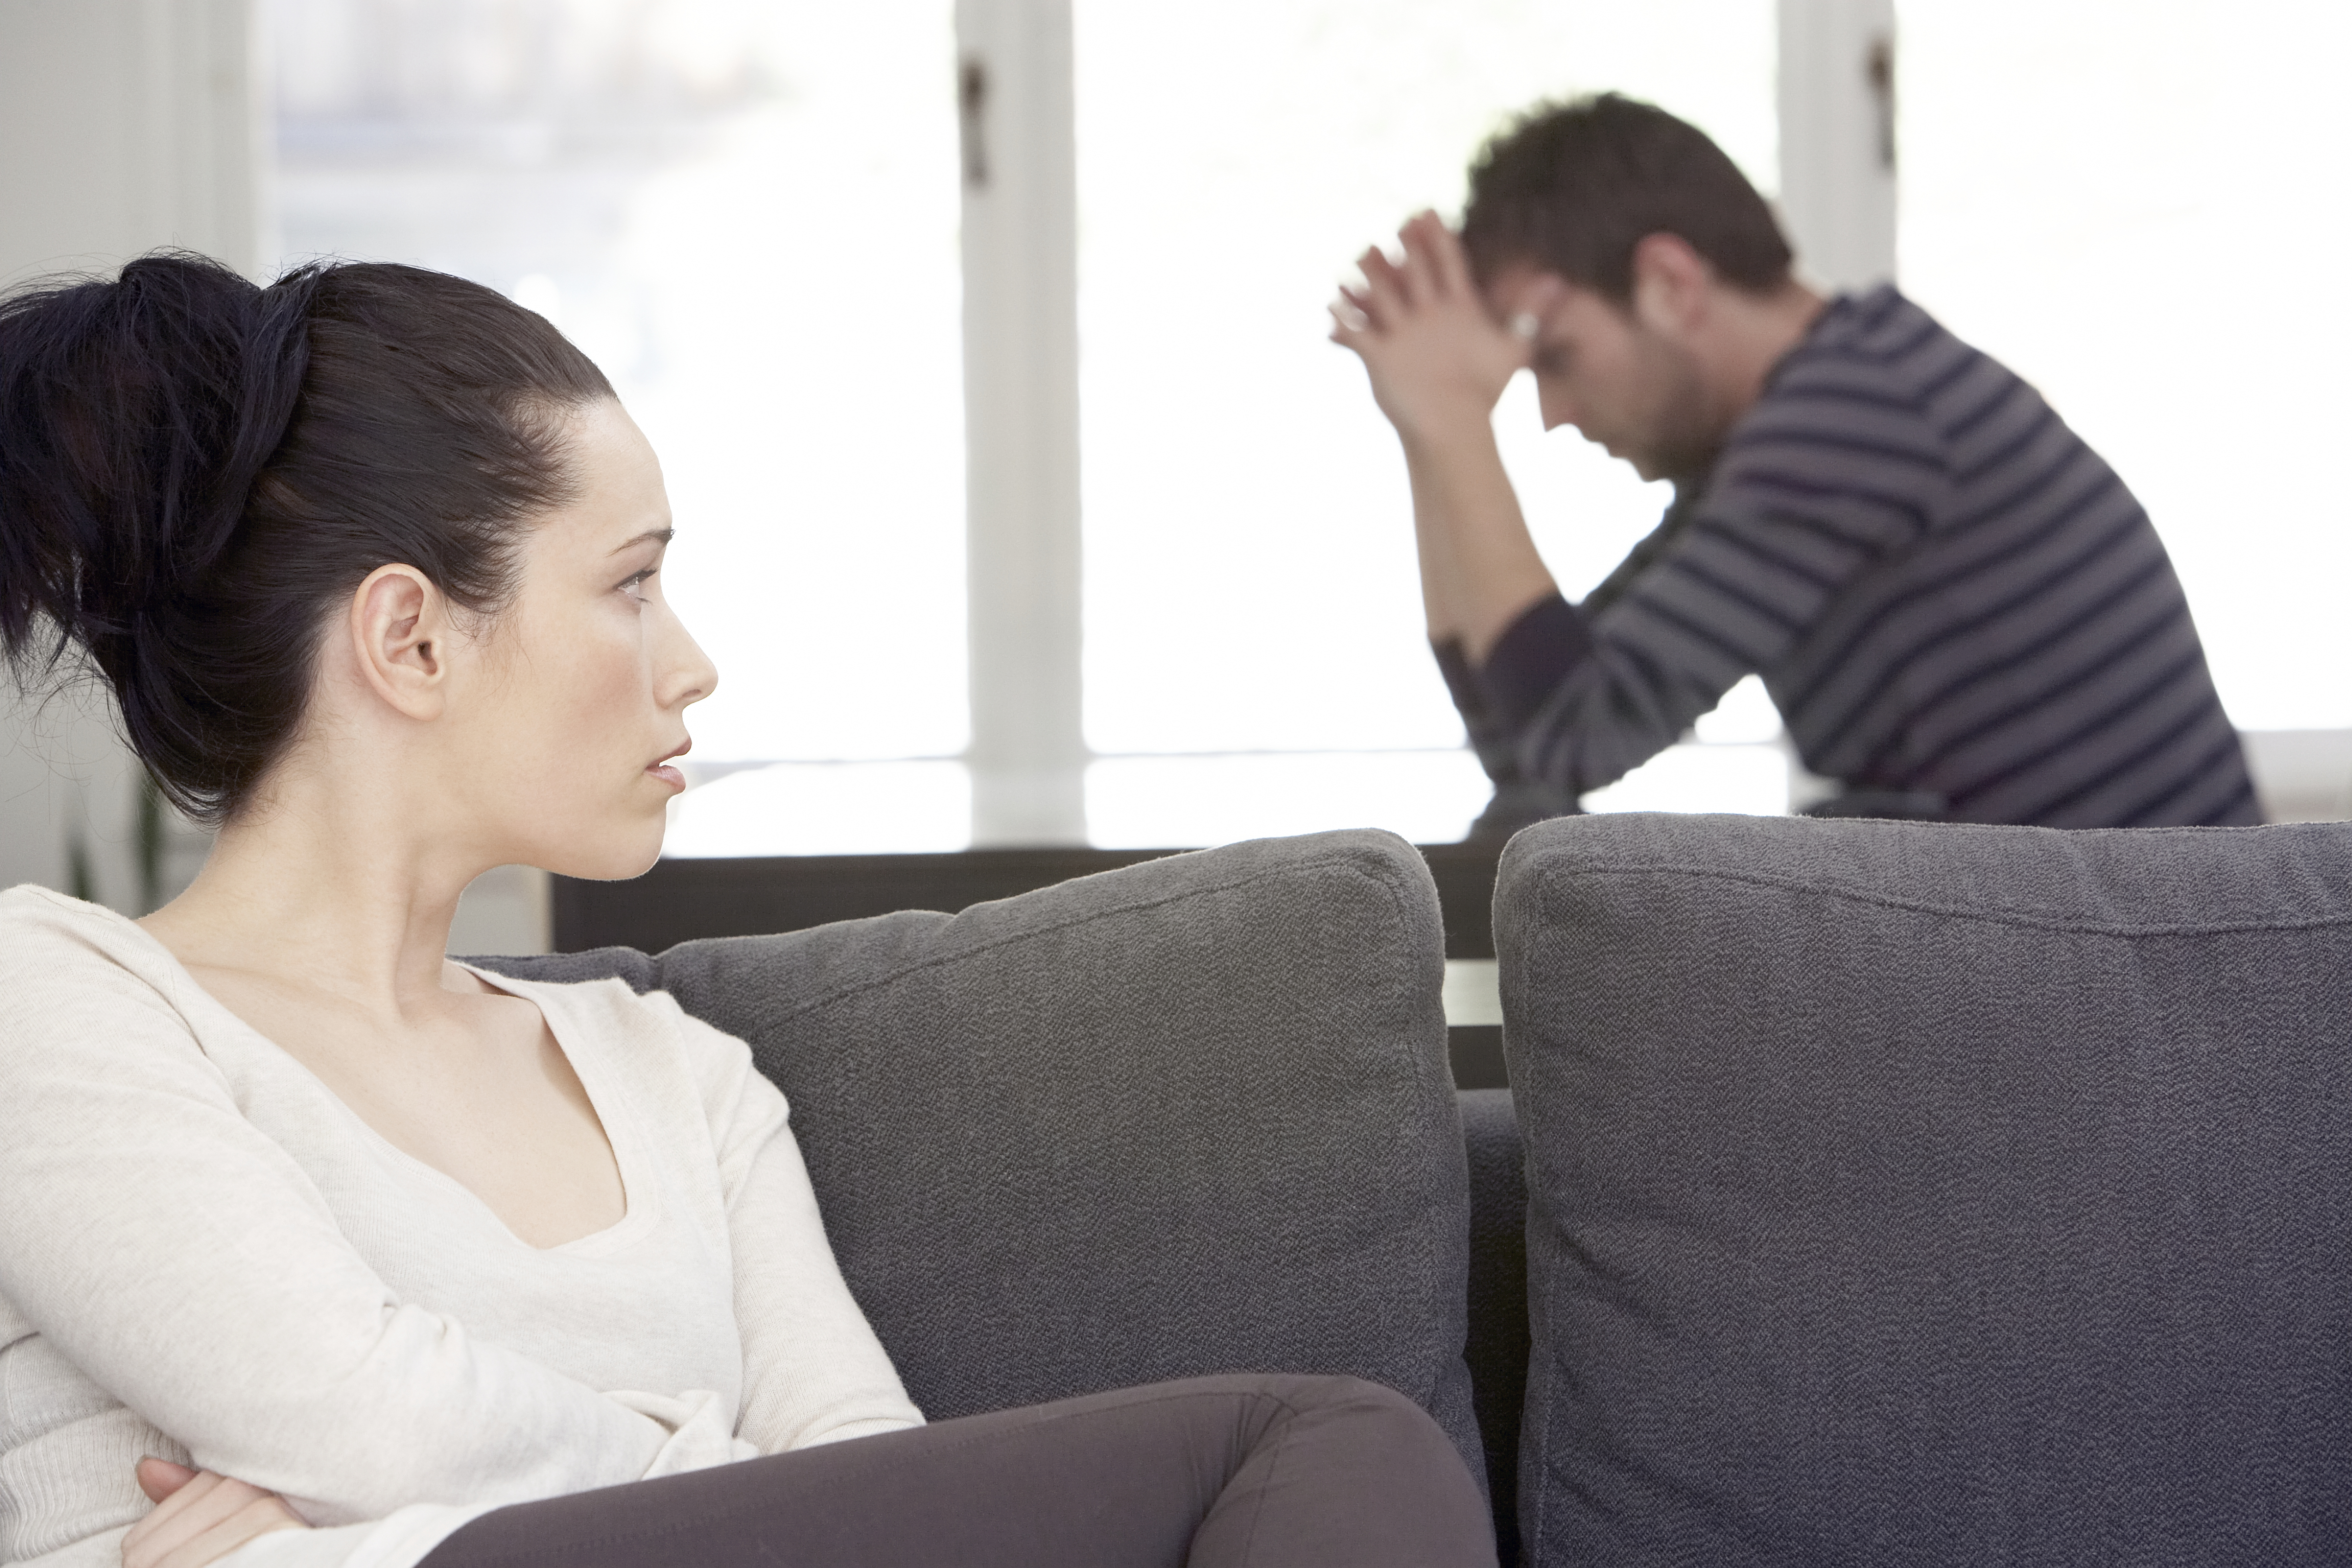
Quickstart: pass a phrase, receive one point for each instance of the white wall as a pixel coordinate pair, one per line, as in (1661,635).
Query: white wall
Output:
(124,125)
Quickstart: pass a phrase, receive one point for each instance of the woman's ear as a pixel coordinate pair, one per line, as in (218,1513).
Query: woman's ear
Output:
(403,635)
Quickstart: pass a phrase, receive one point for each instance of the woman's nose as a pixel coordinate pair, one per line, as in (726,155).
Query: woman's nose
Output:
(689,675)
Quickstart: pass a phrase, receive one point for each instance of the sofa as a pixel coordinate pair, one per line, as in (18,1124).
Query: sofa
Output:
(1187,1117)
(1867,1191)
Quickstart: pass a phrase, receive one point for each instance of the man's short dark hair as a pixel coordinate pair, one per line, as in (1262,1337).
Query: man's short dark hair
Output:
(1573,187)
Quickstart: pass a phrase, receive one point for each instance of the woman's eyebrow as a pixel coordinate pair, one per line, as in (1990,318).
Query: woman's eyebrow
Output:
(651,536)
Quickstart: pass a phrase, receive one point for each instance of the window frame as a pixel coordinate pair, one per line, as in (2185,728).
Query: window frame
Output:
(1015,88)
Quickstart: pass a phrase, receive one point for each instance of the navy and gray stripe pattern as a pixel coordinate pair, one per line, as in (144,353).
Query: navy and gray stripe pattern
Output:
(1950,596)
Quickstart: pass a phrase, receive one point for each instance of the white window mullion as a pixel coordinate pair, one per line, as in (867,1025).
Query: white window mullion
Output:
(1837,139)
(1028,751)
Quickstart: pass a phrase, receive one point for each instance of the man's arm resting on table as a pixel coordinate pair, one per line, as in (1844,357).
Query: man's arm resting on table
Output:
(1530,659)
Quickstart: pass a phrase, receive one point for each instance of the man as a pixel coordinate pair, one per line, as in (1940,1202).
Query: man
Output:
(1959,609)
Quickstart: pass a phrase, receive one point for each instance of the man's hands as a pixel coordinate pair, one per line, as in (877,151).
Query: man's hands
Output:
(1438,361)
(199,1517)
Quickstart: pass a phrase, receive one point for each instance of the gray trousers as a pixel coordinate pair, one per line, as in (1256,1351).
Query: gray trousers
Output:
(1211,1473)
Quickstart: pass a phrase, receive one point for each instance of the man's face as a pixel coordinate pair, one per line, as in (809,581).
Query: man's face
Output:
(1616,378)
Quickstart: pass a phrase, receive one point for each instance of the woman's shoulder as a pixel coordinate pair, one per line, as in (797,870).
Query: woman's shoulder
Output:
(47,935)
(29,902)
(640,1031)
(679,1068)
(606,1003)
(85,993)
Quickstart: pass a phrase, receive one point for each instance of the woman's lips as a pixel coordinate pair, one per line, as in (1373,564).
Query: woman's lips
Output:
(673,776)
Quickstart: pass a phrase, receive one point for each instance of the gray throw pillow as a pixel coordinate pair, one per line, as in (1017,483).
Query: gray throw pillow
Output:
(1932,1194)
(1187,1117)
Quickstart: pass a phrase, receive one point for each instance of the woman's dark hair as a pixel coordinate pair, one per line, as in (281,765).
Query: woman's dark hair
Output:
(195,473)
(1574,187)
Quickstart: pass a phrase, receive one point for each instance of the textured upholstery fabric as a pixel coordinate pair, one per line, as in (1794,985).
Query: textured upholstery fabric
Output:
(1930,1194)
(1188,1117)
(1497,1351)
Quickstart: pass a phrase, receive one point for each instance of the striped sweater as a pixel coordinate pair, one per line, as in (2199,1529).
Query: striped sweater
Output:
(1952,599)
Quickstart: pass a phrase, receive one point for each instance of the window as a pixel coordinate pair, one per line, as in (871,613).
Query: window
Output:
(2145,226)
(1249,568)
(745,213)
(1250,586)
(747,210)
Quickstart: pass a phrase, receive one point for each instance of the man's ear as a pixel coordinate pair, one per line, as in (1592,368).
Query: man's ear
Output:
(402,635)
(1672,284)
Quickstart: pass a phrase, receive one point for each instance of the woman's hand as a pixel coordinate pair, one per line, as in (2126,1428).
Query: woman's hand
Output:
(199,1517)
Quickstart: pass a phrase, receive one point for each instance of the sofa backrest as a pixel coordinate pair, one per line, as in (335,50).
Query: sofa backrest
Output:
(1933,1194)
(1190,1117)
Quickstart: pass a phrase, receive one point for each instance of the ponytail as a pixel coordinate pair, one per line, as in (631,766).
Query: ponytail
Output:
(195,473)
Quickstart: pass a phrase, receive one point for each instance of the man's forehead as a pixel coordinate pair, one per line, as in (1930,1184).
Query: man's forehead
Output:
(1527,286)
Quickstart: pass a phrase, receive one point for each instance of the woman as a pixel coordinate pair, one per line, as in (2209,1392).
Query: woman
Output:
(340,1252)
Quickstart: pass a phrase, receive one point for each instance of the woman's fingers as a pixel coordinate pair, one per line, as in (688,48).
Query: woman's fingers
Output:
(205,1517)
(159,1479)
(263,1513)
(176,1518)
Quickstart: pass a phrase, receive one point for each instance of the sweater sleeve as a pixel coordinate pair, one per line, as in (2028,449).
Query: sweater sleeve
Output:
(1797,509)
(185,1264)
(813,1371)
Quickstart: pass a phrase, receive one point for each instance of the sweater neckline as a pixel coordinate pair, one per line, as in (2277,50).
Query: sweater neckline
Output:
(606,1095)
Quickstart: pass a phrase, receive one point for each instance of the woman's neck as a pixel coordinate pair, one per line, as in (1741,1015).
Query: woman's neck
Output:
(325,886)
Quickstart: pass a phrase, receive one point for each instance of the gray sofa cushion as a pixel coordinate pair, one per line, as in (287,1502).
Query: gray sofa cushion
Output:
(1187,1117)
(1934,1194)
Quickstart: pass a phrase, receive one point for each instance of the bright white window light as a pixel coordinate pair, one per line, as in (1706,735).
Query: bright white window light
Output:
(2139,208)
(1249,563)
(746,212)
(825,809)
(1749,780)
(537,291)
(1160,802)
(1744,716)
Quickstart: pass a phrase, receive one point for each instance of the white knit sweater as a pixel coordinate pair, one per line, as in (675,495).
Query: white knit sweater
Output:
(205,1255)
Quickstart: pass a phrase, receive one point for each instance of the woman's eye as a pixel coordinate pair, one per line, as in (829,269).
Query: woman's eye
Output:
(636,580)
